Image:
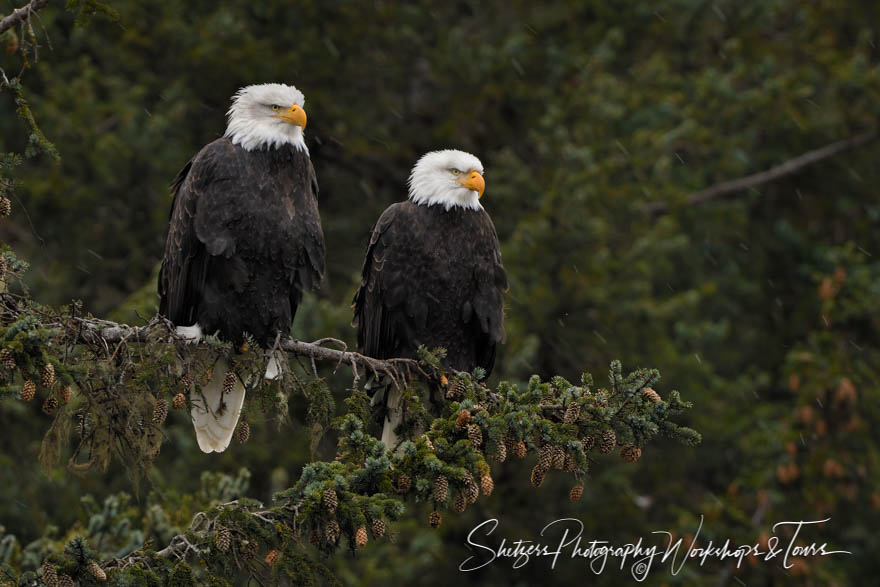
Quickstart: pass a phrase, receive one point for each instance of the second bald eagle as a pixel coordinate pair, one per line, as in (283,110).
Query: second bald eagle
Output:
(433,274)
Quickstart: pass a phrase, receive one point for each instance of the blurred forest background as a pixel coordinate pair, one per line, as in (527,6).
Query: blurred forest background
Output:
(761,307)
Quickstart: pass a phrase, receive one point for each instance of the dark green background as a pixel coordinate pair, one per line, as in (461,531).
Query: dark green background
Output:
(761,308)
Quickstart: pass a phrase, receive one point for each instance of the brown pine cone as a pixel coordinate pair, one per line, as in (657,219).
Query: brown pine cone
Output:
(28,390)
(7,358)
(403,483)
(66,392)
(463,419)
(222,538)
(65,581)
(471,491)
(519,450)
(456,390)
(248,550)
(607,442)
(50,575)
(651,395)
(160,411)
(186,382)
(330,500)
(475,434)
(558,454)
(243,432)
(47,375)
(537,476)
(572,412)
(332,531)
(360,537)
(435,519)
(50,405)
(589,442)
(576,492)
(441,489)
(500,452)
(96,571)
(229,382)
(378,527)
(570,463)
(5,204)
(487,484)
(630,453)
(459,504)
(545,457)
(272,557)
(179,401)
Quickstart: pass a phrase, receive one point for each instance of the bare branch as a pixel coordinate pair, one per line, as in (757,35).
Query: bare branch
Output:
(789,167)
(21,14)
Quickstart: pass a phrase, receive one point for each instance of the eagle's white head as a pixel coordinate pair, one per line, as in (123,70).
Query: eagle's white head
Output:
(267,116)
(449,178)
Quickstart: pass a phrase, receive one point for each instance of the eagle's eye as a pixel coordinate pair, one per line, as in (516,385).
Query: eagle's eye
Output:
(276,107)
(455,171)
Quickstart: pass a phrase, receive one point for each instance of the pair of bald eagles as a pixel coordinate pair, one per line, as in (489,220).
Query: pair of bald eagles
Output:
(245,242)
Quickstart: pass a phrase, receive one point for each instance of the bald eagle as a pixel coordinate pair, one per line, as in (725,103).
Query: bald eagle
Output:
(244,242)
(433,275)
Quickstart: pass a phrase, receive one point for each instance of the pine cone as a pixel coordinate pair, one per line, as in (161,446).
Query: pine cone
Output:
(50,405)
(576,492)
(403,483)
(28,390)
(50,575)
(7,358)
(464,418)
(315,537)
(589,442)
(459,504)
(441,489)
(456,390)
(545,458)
(96,571)
(47,375)
(378,527)
(572,412)
(248,550)
(330,500)
(5,206)
(500,452)
(547,399)
(360,537)
(476,436)
(570,464)
(608,440)
(558,457)
(519,450)
(160,411)
(222,538)
(630,453)
(229,382)
(332,531)
(243,432)
(65,581)
(272,557)
(428,442)
(651,395)
(186,382)
(66,392)
(471,491)
(179,401)
(537,476)
(487,484)
(434,518)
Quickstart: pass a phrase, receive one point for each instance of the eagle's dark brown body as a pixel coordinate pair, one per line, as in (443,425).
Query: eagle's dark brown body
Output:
(244,241)
(432,277)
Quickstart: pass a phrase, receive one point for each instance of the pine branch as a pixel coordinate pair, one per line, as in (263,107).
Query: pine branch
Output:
(21,14)
(790,167)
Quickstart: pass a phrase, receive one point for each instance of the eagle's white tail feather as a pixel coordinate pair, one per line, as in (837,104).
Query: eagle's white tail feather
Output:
(393,417)
(214,413)
(273,366)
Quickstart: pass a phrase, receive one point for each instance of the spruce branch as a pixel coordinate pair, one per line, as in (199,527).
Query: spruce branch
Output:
(21,14)
(790,167)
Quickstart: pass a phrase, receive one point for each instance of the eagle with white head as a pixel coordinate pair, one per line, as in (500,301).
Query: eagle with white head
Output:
(244,243)
(433,276)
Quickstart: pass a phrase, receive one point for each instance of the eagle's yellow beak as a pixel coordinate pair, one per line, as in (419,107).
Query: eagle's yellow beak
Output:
(295,115)
(475,182)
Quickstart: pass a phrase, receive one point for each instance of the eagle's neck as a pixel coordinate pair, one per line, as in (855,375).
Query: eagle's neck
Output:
(426,194)
(259,136)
